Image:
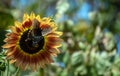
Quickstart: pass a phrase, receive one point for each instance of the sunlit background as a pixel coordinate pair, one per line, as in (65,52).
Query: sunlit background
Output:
(91,34)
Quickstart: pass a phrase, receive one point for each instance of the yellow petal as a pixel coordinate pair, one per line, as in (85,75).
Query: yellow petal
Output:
(17,23)
(59,33)
(38,18)
(25,17)
(32,16)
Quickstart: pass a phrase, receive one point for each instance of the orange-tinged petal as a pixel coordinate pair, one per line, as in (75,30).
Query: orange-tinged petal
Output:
(12,61)
(10,41)
(8,45)
(54,34)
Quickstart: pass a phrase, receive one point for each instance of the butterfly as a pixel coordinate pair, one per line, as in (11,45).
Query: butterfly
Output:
(36,34)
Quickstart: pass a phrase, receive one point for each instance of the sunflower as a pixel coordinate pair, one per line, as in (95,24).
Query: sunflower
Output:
(32,43)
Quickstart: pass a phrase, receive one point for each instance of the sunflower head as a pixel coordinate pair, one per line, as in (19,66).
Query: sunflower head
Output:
(33,42)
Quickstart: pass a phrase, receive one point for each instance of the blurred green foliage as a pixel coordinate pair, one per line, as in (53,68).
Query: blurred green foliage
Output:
(89,47)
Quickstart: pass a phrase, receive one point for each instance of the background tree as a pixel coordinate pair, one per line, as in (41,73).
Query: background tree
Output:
(91,35)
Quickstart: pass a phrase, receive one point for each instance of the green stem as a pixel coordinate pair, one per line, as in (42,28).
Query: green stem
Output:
(41,72)
(1,73)
(8,68)
(17,72)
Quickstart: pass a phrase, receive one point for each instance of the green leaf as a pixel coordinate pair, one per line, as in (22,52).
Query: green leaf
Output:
(77,58)
(81,70)
(2,66)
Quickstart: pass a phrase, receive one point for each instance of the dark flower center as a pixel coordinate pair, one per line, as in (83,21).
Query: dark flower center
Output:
(30,43)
